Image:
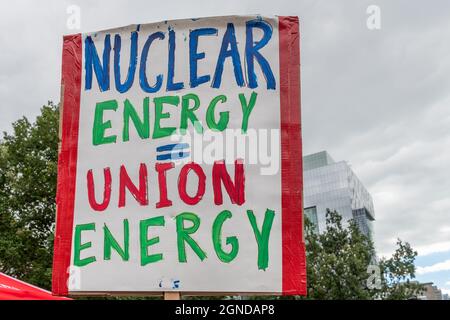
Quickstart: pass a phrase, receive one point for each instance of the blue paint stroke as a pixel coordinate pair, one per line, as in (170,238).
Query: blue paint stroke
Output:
(174,146)
(173,156)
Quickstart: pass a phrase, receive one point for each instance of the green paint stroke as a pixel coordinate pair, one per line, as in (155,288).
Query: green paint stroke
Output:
(111,243)
(216,236)
(78,246)
(224,117)
(183,235)
(145,242)
(99,127)
(188,113)
(247,109)
(262,237)
(142,127)
(159,132)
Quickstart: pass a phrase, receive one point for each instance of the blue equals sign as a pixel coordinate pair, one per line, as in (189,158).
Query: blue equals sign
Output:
(173,151)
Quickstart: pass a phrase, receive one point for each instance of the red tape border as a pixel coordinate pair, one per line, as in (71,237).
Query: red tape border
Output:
(294,260)
(67,162)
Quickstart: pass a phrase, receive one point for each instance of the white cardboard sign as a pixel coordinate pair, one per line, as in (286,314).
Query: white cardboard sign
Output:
(180,163)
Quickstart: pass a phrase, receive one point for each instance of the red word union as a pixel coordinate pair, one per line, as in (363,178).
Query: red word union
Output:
(220,177)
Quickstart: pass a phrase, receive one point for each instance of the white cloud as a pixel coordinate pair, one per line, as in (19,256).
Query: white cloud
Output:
(441,266)
(433,248)
(446,291)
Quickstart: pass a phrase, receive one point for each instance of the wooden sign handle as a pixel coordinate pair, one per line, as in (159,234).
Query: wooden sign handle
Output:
(169,295)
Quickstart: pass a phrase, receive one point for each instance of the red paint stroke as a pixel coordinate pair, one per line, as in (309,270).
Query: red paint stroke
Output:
(141,194)
(182,182)
(161,168)
(294,260)
(67,162)
(236,190)
(106,190)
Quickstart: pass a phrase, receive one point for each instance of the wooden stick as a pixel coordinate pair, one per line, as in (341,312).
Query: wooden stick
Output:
(170,295)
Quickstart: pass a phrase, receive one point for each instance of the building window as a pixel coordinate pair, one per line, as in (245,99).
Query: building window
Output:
(311,214)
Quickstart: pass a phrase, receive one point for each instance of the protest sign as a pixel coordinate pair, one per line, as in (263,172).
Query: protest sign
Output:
(180,167)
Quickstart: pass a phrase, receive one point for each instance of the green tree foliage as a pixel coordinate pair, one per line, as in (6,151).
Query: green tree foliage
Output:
(337,260)
(28,169)
(397,273)
(338,263)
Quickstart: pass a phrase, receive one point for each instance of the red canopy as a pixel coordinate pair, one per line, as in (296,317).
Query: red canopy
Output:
(13,289)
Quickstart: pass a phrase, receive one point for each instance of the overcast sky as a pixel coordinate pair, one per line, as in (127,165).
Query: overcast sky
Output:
(376,98)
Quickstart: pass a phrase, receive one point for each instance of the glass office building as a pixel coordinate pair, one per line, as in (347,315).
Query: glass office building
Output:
(328,184)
